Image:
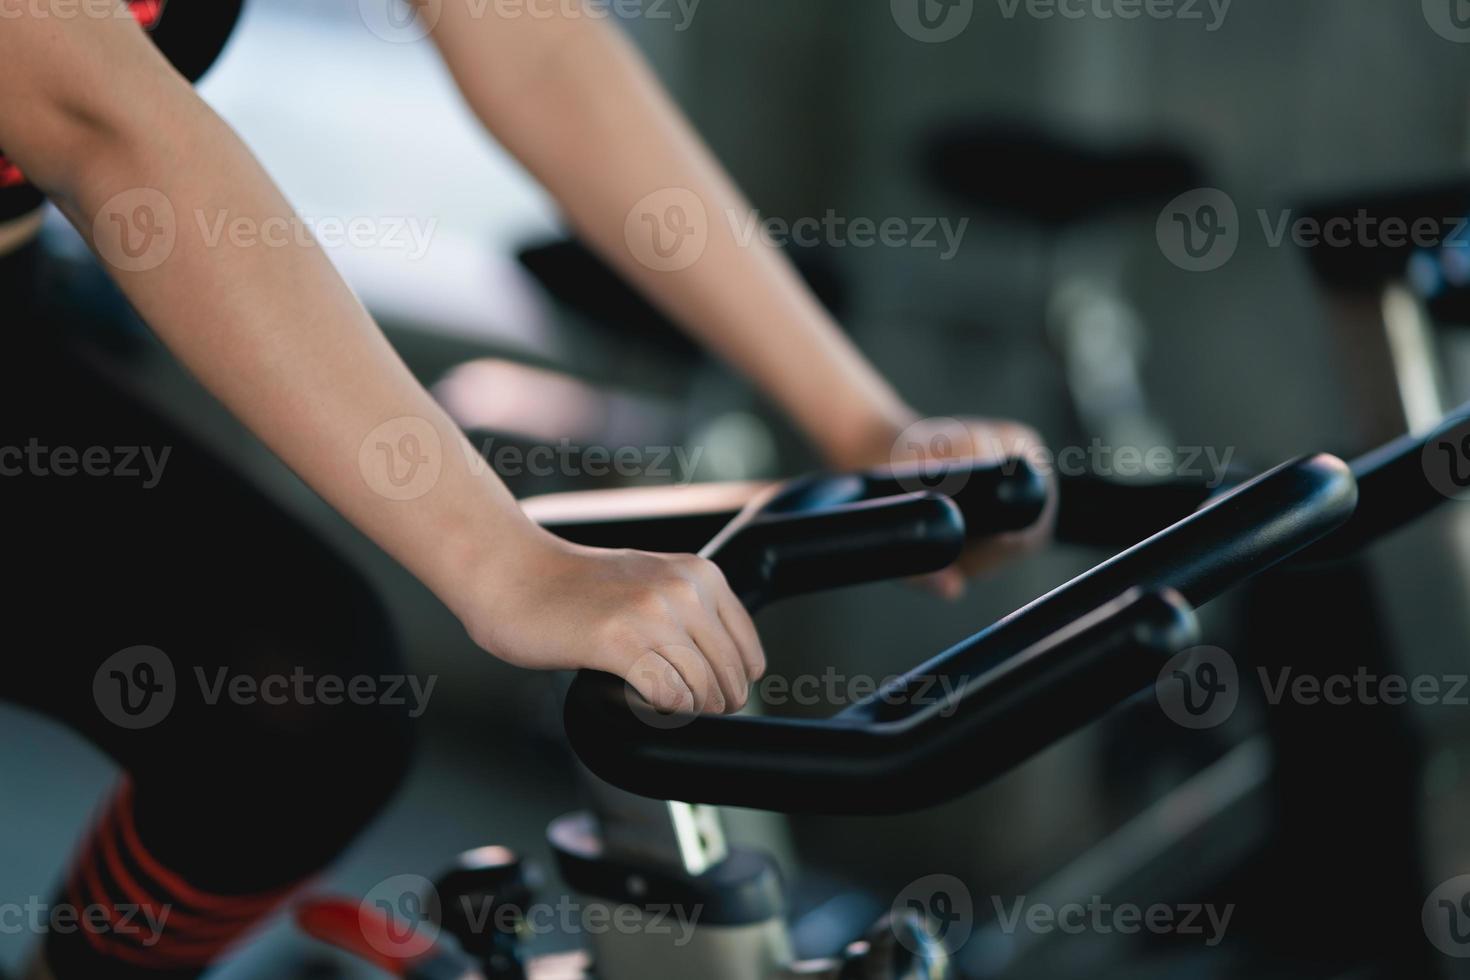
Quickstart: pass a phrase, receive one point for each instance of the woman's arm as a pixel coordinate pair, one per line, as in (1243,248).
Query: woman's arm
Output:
(568,95)
(97,118)
(579,107)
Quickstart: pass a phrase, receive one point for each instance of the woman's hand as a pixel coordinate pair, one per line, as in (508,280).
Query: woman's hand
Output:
(667,624)
(979,439)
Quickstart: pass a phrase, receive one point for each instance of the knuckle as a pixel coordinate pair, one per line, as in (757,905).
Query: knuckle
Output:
(649,604)
(683,590)
(613,633)
(708,576)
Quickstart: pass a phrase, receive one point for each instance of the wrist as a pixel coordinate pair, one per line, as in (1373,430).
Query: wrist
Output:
(865,436)
(485,575)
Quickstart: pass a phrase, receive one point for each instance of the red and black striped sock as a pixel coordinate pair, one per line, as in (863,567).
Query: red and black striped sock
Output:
(137,918)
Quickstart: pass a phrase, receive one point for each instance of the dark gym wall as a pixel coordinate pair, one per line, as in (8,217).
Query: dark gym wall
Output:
(822,104)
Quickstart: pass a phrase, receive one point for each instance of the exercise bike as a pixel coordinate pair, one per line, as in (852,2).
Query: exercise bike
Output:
(1010,690)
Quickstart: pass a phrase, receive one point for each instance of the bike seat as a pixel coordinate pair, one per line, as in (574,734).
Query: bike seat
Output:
(1053,179)
(1370,260)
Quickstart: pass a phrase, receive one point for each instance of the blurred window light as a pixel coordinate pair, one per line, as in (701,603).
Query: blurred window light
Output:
(355,127)
(547,405)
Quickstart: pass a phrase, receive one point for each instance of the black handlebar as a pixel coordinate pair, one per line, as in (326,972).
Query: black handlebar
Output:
(767,554)
(993,498)
(1399,483)
(897,750)
(939,745)
(1040,673)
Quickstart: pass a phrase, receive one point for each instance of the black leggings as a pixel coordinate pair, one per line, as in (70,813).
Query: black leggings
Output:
(134,553)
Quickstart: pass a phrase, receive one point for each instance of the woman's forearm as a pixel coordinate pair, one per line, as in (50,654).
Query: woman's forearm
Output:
(579,107)
(175,204)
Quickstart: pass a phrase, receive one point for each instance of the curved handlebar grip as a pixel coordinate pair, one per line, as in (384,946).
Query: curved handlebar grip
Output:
(1399,483)
(856,762)
(994,497)
(767,556)
(943,741)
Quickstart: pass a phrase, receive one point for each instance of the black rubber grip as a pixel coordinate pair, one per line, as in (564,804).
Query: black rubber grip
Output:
(992,497)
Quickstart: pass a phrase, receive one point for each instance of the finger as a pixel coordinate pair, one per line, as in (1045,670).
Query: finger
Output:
(691,661)
(947,584)
(1005,439)
(655,679)
(747,639)
(722,657)
(735,619)
(983,559)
